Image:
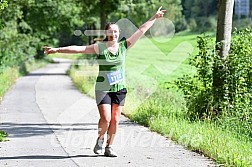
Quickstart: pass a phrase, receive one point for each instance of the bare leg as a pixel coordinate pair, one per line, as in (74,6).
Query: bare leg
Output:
(113,126)
(105,118)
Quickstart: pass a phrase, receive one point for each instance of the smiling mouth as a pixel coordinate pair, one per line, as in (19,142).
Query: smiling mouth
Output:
(112,38)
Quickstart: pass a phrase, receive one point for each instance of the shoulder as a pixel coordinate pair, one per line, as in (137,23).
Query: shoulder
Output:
(100,48)
(123,42)
(96,48)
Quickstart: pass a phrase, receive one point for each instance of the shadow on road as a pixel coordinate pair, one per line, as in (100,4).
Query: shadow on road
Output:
(26,130)
(16,130)
(48,157)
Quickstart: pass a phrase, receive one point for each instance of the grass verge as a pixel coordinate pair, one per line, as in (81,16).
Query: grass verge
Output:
(165,113)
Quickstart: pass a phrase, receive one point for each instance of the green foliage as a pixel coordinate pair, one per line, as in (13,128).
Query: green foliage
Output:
(3,135)
(200,15)
(3,4)
(15,47)
(229,101)
(203,24)
(238,82)
(174,13)
(29,25)
(7,78)
(51,21)
(197,89)
(138,11)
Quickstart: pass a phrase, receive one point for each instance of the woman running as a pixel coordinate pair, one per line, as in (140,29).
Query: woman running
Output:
(110,88)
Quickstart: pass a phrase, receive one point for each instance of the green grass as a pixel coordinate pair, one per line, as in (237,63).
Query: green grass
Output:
(7,79)
(66,56)
(85,83)
(153,101)
(3,136)
(165,113)
(9,75)
(36,64)
(206,138)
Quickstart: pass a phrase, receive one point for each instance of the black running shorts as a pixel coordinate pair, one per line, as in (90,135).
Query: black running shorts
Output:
(111,97)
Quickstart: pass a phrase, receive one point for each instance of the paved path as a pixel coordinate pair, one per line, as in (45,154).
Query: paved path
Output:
(51,124)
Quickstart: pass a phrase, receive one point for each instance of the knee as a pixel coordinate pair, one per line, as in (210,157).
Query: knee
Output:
(115,120)
(106,120)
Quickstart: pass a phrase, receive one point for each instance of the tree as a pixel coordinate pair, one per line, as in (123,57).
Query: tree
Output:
(223,39)
(27,25)
(107,7)
(198,8)
(200,15)
(224,26)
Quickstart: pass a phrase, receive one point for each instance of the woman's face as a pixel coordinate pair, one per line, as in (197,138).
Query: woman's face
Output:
(113,33)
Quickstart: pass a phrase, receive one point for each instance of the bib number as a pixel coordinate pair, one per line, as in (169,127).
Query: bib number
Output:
(115,77)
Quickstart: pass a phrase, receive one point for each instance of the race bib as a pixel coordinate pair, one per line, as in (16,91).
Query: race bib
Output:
(115,77)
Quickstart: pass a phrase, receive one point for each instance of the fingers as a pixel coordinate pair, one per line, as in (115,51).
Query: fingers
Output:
(46,47)
(160,12)
(48,50)
(159,9)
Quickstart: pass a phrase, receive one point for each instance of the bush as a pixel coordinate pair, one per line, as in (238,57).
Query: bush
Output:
(192,24)
(230,102)
(180,24)
(197,89)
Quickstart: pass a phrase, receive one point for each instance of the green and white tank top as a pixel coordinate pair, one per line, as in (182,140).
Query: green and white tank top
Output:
(111,77)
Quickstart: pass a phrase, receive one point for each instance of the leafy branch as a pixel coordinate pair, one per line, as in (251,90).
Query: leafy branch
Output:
(3,4)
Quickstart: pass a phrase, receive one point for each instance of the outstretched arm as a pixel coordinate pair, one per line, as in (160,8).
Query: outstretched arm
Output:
(147,25)
(90,49)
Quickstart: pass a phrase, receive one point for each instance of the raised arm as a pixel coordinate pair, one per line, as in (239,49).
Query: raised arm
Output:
(90,49)
(143,28)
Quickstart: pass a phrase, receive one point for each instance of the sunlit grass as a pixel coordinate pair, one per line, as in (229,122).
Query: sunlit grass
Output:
(165,113)
(64,56)
(7,79)
(3,136)
(206,138)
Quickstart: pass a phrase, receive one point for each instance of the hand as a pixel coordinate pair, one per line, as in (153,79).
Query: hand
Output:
(50,50)
(160,13)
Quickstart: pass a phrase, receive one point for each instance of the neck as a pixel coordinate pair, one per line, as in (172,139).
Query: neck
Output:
(111,43)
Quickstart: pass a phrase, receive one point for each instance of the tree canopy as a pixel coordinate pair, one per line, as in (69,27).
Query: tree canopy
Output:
(27,25)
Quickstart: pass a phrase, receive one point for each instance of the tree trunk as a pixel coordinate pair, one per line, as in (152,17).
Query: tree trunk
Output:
(224,27)
(103,14)
(223,39)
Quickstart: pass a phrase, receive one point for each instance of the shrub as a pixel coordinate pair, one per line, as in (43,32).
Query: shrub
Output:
(230,103)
